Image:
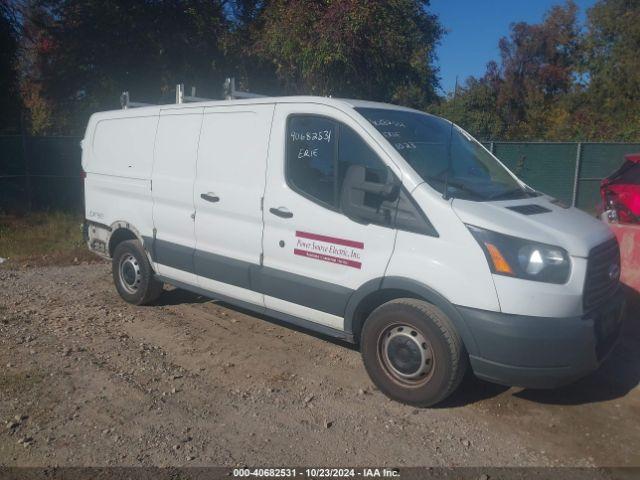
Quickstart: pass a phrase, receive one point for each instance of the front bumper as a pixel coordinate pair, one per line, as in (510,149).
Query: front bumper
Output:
(542,352)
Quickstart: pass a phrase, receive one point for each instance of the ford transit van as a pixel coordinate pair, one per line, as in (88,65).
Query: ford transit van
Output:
(373,223)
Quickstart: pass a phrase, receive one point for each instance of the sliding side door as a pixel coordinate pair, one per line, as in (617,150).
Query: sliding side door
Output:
(231,169)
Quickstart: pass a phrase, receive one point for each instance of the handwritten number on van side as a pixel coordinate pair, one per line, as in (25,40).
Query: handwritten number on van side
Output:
(319,136)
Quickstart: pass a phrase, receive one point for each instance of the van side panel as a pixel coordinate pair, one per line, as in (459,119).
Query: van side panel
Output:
(452,264)
(117,158)
(121,146)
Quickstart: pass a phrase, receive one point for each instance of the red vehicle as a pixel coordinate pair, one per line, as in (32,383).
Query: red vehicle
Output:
(620,193)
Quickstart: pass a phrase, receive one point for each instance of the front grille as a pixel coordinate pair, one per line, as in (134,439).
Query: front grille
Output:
(599,286)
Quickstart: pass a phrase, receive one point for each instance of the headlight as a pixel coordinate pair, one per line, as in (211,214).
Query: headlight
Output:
(517,257)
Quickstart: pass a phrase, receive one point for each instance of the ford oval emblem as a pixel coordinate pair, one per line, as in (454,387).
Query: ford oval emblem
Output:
(614,272)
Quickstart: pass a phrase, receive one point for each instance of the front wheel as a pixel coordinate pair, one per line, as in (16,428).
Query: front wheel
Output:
(133,275)
(412,352)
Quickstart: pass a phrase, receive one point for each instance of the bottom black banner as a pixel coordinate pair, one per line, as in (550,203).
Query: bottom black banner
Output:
(406,473)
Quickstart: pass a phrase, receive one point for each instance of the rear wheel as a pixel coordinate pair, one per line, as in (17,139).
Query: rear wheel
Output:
(133,275)
(412,352)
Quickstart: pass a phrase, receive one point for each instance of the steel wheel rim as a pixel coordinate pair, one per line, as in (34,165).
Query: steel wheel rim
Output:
(406,355)
(129,273)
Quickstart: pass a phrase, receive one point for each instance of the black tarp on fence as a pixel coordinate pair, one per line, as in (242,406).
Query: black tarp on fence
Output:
(40,173)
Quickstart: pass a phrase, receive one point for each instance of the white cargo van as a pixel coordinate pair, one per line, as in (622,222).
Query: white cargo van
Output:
(373,223)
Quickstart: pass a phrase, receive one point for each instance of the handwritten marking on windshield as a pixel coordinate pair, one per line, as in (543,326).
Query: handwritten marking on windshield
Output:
(405,146)
(383,122)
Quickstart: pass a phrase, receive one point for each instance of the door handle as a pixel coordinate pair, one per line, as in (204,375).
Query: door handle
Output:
(281,212)
(210,197)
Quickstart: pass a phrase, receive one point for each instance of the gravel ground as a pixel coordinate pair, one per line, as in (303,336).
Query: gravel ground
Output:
(86,379)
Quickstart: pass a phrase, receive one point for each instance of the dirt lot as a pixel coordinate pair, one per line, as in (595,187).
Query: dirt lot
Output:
(86,379)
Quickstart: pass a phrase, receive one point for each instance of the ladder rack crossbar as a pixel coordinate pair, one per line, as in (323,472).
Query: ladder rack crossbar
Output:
(229,87)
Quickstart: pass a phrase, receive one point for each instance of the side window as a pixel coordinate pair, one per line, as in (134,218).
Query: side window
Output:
(319,154)
(410,218)
(311,154)
(353,150)
(319,158)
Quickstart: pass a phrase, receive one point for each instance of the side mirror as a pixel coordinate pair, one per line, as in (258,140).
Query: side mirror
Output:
(365,200)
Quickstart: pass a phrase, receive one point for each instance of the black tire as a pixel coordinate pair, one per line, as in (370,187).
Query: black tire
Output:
(409,337)
(133,275)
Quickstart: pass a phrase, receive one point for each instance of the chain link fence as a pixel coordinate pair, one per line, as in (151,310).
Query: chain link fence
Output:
(569,171)
(44,173)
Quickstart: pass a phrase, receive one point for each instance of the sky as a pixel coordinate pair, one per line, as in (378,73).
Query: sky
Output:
(475,26)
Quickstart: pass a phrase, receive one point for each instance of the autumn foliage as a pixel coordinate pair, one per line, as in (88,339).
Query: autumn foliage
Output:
(559,81)
(556,80)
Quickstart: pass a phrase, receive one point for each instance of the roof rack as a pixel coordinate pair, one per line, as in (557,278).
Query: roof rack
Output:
(229,89)
(126,103)
(182,98)
(230,92)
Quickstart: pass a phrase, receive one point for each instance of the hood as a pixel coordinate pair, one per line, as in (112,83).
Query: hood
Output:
(539,218)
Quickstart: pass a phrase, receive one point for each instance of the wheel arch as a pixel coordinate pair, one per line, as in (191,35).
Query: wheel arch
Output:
(122,231)
(382,290)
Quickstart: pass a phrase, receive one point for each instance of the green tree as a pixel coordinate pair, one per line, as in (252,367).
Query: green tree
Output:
(252,72)
(79,55)
(523,97)
(558,82)
(613,68)
(381,50)
(88,51)
(539,63)
(473,105)
(9,93)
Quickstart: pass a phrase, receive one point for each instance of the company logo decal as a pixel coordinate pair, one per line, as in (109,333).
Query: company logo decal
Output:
(329,249)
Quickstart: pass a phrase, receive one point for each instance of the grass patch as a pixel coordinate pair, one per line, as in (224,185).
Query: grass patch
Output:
(53,238)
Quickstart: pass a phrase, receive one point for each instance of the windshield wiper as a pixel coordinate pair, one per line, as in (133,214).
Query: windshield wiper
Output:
(508,193)
(455,184)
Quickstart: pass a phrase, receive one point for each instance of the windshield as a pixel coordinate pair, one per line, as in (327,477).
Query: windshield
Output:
(468,170)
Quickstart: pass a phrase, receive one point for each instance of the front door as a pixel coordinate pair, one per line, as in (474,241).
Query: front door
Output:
(314,256)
